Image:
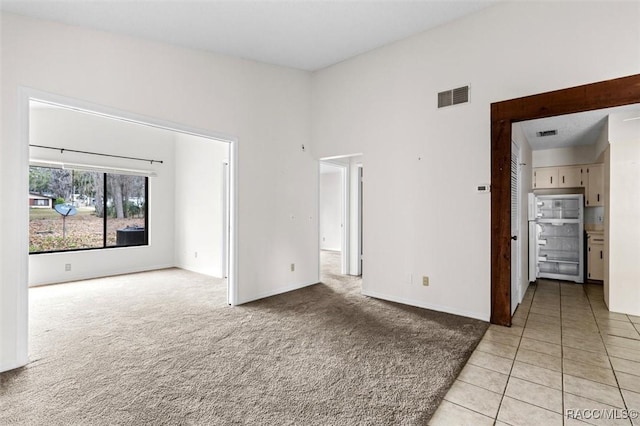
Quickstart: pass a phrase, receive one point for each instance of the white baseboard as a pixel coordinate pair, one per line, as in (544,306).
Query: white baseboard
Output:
(82,277)
(420,304)
(277,291)
(7,366)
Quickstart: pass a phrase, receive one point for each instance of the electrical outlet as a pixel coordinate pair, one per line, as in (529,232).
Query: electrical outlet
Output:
(67,267)
(293,267)
(425,281)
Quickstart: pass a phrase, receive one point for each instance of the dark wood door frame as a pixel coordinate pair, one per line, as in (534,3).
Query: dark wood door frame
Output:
(604,94)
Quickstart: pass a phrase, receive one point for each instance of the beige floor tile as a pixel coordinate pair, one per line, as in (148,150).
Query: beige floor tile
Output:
(624,353)
(624,325)
(449,414)
(573,403)
(539,375)
(580,323)
(542,318)
(593,390)
(474,398)
(489,346)
(520,413)
(545,336)
(519,321)
(618,332)
(501,337)
(540,346)
(535,394)
(512,331)
(599,359)
(490,361)
(586,344)
(544,326)
(632,399)
(576,309)
(589,372)
(577,305)
(545,311)
(634,319)
(539,359)
(484,378)
(574,422)
(611,315)
(624,365)
(577,316)
(628,381)
(621,341)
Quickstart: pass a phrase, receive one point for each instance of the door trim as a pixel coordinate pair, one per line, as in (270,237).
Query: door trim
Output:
(604,94)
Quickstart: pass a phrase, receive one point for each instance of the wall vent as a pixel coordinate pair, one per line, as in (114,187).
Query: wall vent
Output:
(547,133)
(453,97)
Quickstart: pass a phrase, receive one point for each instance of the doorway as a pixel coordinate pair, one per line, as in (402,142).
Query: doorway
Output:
(610,93)
(340,214)
(227,196)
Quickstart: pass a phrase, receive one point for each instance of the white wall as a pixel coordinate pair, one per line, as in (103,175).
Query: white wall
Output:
(573,155)
(622,222)
(85,132)
(422,215)
(266,108)
(355,163)
(602,143)
(331,207)
(199,204)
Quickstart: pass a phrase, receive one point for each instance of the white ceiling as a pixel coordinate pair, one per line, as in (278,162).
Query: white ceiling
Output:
(577,129)
(303,34)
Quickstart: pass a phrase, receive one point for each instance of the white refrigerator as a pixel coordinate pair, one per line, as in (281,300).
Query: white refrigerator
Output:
(556,237)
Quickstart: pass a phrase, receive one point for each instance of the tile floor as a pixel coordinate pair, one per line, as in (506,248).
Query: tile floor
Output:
(566,360)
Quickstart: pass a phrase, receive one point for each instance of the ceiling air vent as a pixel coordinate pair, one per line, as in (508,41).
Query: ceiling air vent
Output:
(453,97)
(547,133)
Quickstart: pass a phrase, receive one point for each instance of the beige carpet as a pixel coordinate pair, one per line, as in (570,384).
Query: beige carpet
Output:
(162,347)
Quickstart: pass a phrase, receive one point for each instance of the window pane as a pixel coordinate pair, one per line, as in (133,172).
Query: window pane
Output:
(126,210)
(50,230)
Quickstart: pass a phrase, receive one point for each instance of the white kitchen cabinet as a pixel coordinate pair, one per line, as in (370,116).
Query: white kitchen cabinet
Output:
(570,177)
(595,256)
(595,185)
(545,177)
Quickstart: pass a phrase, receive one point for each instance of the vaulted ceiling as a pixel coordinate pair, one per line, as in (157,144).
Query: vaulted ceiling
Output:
(303,34)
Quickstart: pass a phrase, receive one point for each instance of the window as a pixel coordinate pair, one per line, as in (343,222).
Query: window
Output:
(104,210)
(40,202)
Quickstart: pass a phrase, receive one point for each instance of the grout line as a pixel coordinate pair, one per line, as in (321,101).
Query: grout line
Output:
(516,354)
(615,376)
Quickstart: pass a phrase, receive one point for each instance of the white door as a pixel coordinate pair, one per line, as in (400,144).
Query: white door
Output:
(515,227)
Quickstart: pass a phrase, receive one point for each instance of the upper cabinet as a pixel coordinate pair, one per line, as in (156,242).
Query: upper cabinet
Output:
(545,177)
(595,185)
(570,177)
(590,177)
(558,177)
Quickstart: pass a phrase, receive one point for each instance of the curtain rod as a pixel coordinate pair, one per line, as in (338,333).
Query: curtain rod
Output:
(62,150)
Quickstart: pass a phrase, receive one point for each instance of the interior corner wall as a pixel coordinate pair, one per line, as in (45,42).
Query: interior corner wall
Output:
(70,129)
(622,220)
(602,143)
(422,214)
(331,209)
(199,204)
(265,108)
